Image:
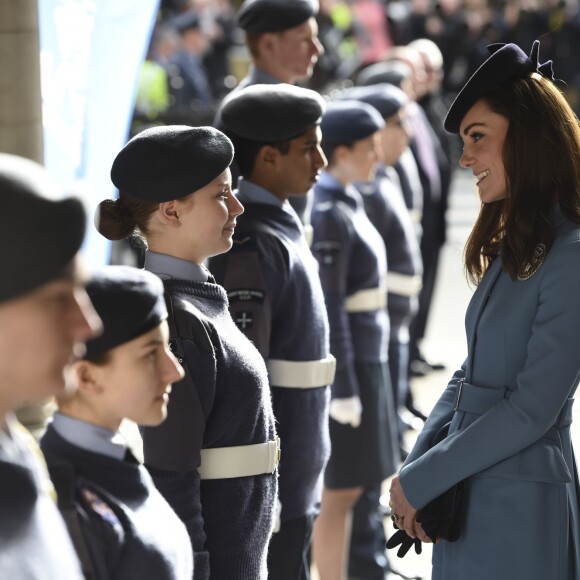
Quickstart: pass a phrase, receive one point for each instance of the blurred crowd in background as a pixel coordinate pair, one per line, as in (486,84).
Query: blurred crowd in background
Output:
(197,53)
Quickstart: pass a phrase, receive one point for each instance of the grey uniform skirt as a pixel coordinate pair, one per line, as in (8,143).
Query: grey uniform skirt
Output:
(367,455)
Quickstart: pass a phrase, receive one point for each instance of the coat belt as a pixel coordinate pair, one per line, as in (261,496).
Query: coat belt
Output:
(473,399)
(301,374)
(240,461)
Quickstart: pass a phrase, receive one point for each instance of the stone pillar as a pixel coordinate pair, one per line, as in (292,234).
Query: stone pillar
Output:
(20,104)
(21,114)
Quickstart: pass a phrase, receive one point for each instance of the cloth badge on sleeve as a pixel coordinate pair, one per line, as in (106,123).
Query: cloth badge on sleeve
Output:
(246,295)
(328,252)
(244,320)
(101,508)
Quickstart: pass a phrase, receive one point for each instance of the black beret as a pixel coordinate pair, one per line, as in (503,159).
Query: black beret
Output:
(170,162)
(269,113)
(186,21)
(348,121)
(259,16)
(39,233)
(386,99)
(506,63)
(129,302)
(393,72)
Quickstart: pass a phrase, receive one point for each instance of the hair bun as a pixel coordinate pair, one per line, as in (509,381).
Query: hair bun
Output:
(113,221)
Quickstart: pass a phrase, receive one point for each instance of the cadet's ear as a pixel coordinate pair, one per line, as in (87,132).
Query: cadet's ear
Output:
(86,376)
(167,212)
(341,154)
(269,155)
(267,44)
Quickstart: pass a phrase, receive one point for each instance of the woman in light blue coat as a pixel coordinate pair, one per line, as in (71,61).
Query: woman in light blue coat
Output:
(510,403)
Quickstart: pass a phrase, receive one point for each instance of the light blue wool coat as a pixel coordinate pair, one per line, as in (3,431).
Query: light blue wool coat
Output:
(523,515)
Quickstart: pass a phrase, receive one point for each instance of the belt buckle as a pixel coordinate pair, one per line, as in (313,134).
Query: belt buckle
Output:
(458,394)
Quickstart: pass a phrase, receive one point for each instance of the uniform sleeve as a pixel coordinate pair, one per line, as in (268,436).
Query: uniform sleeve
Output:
(96,525)
(254,275)
(172,450)
(549,376)
(101,530)
(331,246)
(181,490)
(175,445)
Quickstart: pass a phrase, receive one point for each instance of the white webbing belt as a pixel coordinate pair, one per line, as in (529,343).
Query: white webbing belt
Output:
(239,461)
(367,300)
(301,374)
(308,234)
(404,284)
(416,215)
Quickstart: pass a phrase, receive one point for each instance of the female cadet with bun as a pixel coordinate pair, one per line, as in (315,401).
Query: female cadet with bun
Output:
(352,260)
(510,403)
(215,457)
(121,525)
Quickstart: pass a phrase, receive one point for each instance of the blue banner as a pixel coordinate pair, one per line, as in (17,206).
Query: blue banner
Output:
(91,54)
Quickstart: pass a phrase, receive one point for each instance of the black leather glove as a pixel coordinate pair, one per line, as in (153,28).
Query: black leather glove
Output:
(401,538)
(443,517)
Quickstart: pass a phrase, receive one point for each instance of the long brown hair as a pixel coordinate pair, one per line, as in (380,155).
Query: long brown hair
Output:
(541,157)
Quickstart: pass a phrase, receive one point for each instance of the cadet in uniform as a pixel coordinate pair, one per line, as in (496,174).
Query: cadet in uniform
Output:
(276,298)
(385,206)
(215,457)
(122,526)
(45,316)
(352,259)
(399,74)
(282,37)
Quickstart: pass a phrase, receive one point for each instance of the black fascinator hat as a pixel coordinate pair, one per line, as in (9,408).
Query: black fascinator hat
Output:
(505,63)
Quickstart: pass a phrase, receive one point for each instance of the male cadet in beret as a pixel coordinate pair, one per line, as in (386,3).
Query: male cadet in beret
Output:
(276,298)
(45,315)
(282,37)
(353,267)
(399,74)
(385,206)
(435,173)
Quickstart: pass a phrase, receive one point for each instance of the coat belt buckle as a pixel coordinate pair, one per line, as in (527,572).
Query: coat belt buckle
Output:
(458,394)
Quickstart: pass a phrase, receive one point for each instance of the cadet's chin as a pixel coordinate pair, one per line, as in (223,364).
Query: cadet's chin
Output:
(228,243)
(156,415)
(59,382)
